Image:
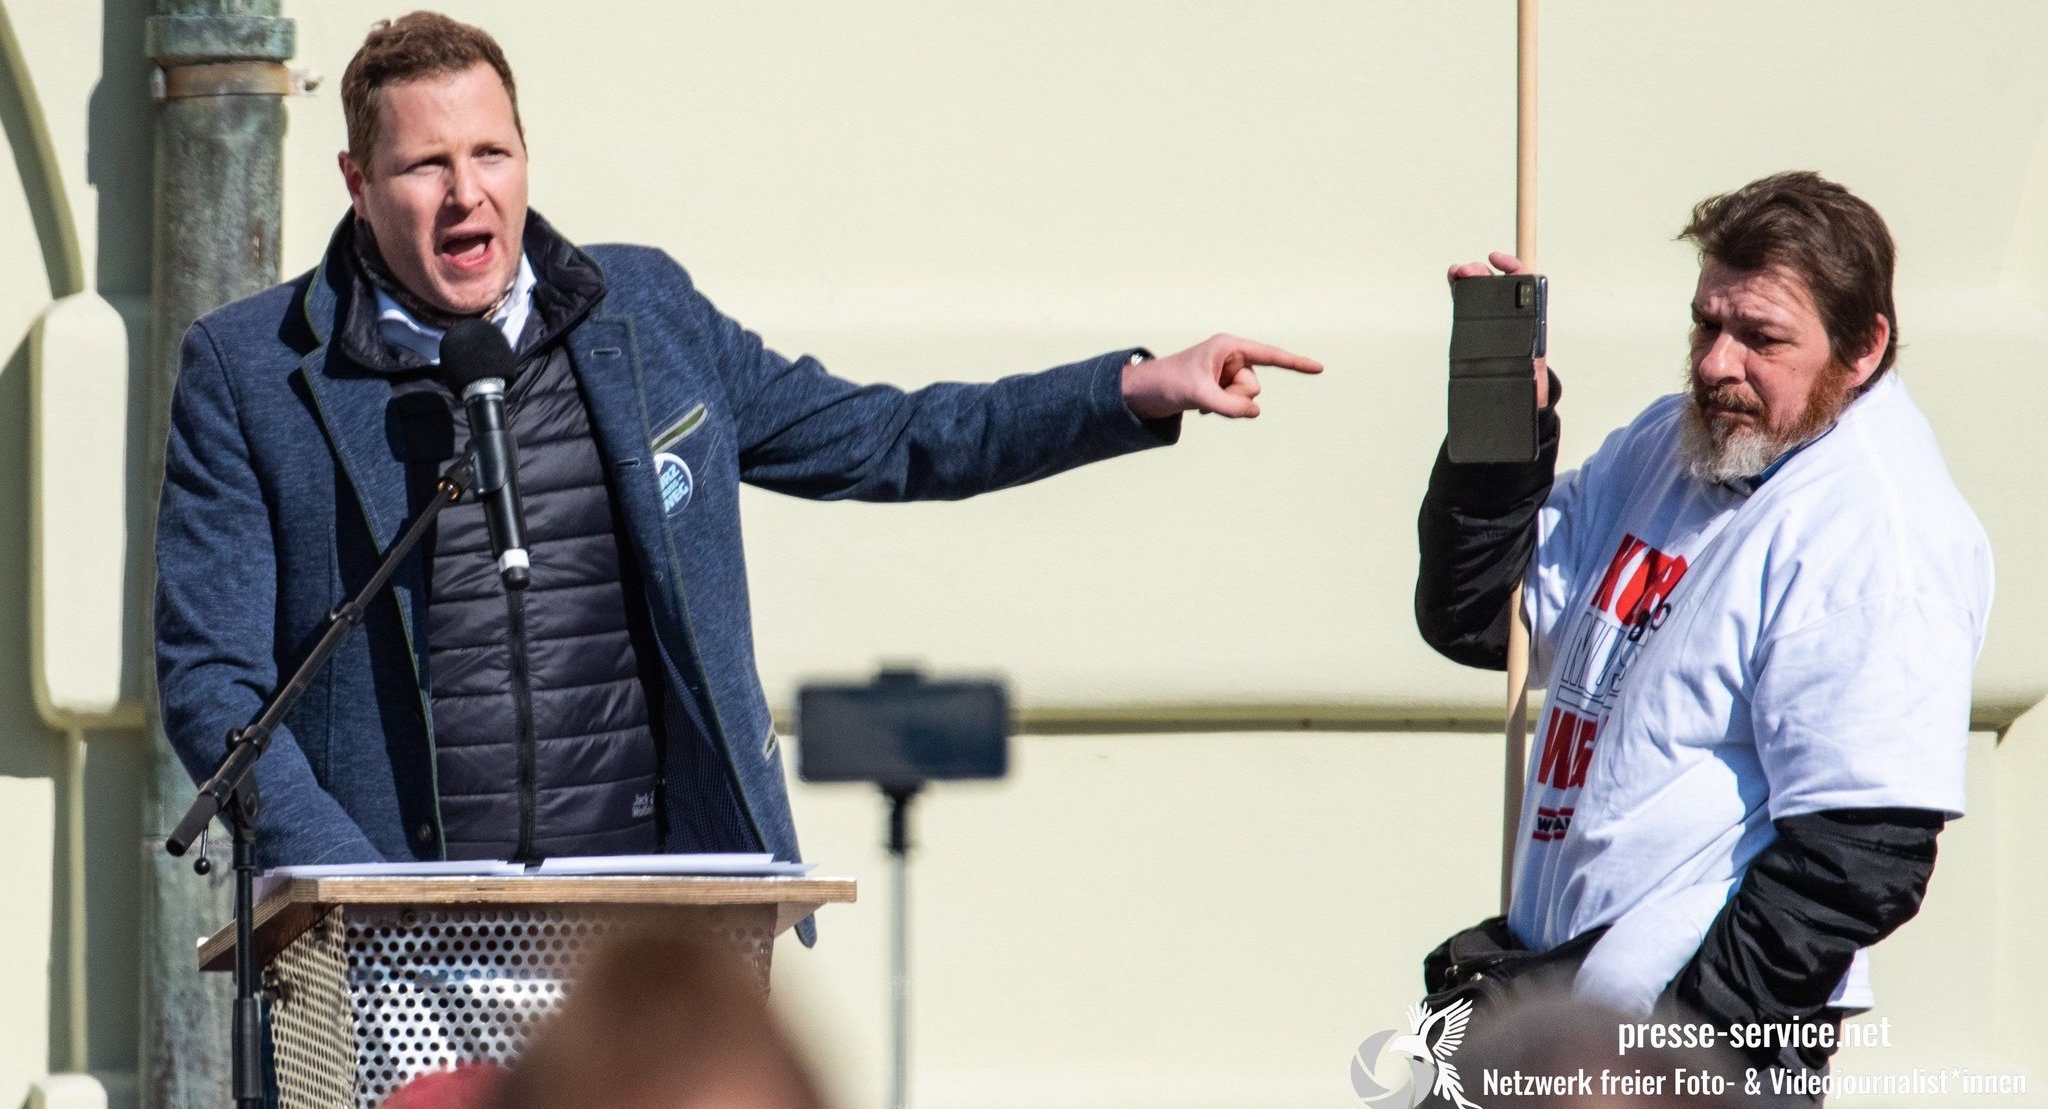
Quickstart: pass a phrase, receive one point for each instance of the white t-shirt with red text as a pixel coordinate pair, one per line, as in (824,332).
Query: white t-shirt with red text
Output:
(1719,658)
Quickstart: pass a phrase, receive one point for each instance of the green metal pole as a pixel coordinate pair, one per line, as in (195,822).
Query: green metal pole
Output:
(220,83)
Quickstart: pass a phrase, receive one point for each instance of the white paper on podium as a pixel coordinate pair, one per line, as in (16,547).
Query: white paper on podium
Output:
(748,866)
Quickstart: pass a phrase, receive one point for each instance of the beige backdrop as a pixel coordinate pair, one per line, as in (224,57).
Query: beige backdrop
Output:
(1160,908)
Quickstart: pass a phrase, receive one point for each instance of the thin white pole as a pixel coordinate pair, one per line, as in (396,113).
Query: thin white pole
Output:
(1517,729)
(1525,131)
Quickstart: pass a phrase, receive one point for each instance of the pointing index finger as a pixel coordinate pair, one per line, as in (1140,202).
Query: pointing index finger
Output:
(1259,354)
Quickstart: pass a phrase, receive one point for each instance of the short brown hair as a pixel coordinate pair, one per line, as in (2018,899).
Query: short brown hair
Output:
(1807,225)
(415,45)
(661,1016)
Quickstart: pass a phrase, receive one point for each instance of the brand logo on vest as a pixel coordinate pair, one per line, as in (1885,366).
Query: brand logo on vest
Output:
(676,482)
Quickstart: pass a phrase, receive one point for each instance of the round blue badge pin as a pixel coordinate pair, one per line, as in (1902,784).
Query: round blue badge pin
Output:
(676,482)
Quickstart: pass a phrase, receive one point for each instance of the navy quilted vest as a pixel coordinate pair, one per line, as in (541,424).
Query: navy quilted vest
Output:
(545,742)
(546,738)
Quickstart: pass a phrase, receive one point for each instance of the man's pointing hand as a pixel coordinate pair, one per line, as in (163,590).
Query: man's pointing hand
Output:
(1212,376)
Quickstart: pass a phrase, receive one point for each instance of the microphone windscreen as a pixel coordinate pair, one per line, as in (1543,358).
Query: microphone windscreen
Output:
(473,350)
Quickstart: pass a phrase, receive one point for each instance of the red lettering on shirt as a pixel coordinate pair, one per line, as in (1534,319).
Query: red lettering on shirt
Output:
(1638,579)
(1567,749)
(1551,824)
(1603,600)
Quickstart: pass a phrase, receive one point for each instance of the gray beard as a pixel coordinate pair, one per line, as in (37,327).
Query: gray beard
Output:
(1712,459)
(1714,456)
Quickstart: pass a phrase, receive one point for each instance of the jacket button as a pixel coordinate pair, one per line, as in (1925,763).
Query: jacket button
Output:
(426,833)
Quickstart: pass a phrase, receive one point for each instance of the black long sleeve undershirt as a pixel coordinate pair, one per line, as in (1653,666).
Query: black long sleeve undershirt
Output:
(1832,882)
(1476,531)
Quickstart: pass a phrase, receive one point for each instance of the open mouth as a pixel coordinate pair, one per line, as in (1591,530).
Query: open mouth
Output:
(466,251)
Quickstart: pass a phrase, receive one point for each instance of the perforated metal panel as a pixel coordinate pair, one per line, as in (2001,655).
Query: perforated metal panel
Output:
(373,997)
(312,1023)
(434,989)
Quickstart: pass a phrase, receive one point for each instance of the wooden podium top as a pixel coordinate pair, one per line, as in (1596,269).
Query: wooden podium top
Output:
(298,904)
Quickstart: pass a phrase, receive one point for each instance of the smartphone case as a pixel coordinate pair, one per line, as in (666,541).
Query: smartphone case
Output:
(1497,326)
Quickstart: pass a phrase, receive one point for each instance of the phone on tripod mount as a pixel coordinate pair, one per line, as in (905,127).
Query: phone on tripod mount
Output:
(903,729)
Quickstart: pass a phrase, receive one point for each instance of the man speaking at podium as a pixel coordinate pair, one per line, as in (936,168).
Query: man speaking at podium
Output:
(613,706)
(1756,610)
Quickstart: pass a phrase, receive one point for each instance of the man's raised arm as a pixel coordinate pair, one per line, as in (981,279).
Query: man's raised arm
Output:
(806,432)
(1477,529)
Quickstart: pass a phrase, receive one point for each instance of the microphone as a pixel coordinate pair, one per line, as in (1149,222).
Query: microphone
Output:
(477,365)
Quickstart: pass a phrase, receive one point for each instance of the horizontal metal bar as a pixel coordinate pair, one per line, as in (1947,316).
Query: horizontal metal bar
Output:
(1140,720)
(245,78)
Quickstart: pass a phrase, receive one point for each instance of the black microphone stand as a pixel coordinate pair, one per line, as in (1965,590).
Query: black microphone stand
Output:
(231,792)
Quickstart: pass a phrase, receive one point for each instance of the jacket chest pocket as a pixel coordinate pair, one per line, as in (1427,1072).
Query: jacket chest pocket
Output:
(682,427)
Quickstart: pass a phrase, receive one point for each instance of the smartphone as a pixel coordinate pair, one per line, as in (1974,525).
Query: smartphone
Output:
(1497,327)
(903,729)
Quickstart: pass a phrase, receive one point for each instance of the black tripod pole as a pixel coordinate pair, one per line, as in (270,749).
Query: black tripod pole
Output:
(231,792)
(900,796)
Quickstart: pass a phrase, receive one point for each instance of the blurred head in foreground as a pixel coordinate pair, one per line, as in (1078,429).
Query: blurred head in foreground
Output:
(660,1020)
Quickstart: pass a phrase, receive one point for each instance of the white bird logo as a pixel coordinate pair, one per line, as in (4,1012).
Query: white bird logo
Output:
(1448,1031)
